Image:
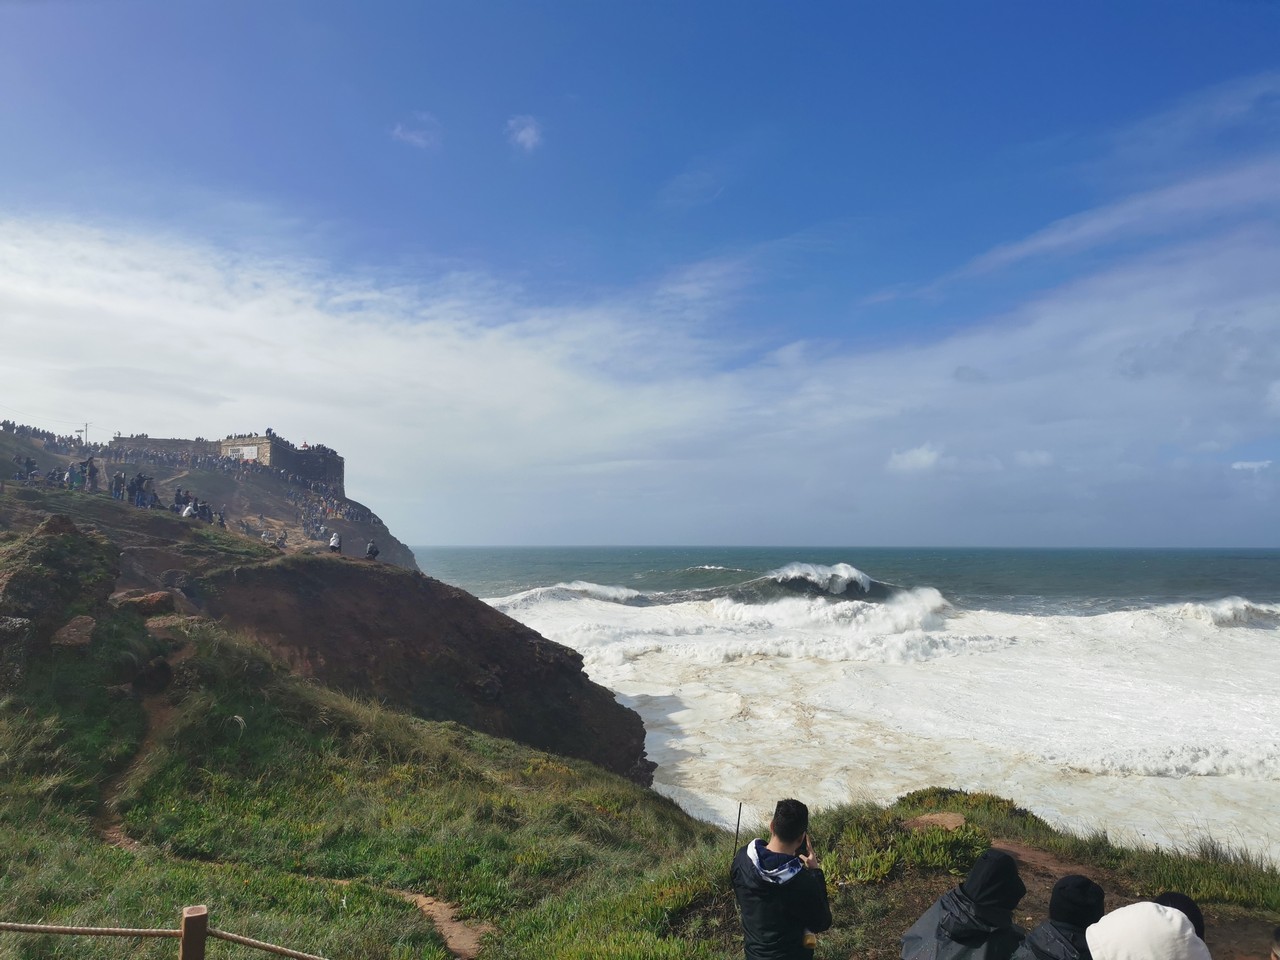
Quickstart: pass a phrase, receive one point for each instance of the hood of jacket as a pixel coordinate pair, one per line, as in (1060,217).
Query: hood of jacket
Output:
(1145,931)
(1053,940)
(768,867)
(967,922)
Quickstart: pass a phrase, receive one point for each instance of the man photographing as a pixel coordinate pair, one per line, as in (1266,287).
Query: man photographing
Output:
(781,892)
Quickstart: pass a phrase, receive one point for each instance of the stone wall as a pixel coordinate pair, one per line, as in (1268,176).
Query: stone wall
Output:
(263,449)
(311,463)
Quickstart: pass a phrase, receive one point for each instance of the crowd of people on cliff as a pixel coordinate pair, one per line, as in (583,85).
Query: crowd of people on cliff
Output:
(317,499)
(317,502)
(782,902)
(314,511)
(53,443)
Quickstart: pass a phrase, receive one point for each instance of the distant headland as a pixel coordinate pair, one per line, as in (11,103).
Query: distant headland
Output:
(258,483)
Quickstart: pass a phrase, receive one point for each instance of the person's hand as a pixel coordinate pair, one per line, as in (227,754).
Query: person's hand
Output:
(809,858)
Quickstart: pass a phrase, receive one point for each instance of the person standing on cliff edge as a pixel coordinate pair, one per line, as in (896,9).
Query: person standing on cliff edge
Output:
(781,892)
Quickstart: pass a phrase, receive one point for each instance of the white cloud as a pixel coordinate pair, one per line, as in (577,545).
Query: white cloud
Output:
(1251,465)
(525,132)
(474,411)
(424,132)
(919,459)
(693,187)
(1252,189)
(1240,112)
(1033,458)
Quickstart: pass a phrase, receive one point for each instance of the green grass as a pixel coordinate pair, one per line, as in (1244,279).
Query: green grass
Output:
(1204,869)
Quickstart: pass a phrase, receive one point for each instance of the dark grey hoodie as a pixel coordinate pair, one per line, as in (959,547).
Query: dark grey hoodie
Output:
(973,921)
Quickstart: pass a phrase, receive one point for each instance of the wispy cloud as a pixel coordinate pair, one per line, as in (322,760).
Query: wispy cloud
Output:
(1229,118)
(1251,189)
(916,460)
(693,187)
(525,132)
(423,131)
(1208,161)
(1251,465)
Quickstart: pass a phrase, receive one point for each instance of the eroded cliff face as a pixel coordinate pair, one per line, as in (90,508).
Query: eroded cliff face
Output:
(431,649)
(363,627)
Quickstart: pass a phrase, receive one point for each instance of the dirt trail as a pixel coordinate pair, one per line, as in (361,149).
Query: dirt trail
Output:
(1228,935)
(462,938)
(159,713)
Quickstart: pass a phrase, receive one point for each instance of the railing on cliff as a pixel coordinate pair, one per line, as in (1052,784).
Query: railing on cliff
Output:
(192,935)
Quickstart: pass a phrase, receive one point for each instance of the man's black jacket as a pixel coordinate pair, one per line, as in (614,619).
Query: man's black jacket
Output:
(776,915)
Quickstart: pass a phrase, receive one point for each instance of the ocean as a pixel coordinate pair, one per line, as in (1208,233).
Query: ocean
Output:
(1136,691)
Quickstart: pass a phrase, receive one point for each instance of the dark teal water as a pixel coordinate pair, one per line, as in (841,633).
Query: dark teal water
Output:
(1018,580)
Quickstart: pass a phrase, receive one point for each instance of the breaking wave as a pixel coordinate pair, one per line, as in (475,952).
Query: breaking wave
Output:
(1186,760)
(1232,612)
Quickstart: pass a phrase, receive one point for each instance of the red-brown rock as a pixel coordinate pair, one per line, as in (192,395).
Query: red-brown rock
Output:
(418,644)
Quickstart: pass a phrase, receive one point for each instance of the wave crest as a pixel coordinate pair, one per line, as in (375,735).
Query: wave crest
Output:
(1188,760)
(834,579)
(1232,612)
(576,590)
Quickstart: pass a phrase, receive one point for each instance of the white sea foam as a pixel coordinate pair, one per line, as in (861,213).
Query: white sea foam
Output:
(1150,722)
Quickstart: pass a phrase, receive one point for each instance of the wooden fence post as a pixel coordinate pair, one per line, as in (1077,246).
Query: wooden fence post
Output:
(195,927)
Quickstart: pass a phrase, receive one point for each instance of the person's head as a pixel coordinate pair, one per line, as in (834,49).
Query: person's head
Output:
(993,881)
(1145,931)
(1076,900)
(790,821)
(1275,944)
(1180,901)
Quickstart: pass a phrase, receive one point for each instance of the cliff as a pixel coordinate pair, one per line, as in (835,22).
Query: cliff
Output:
(362,627)
(256,502)
(430,649)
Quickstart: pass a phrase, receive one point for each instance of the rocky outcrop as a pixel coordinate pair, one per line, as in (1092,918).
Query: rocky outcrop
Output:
(421,645)
(54,574)
(15,647)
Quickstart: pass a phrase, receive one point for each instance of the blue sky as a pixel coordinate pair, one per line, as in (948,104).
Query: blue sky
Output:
(941,273)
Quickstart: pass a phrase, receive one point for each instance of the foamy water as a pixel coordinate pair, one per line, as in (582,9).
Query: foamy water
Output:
(1159,724)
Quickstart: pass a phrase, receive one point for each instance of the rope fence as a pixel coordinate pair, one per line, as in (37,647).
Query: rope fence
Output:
(259,945)
(86,931)
(193,934)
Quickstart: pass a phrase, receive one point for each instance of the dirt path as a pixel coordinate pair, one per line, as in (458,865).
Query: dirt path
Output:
(462,938)
(1228,935)
(159,713)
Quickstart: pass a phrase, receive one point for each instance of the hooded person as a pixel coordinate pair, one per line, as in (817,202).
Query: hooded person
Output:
(1180,901)
(1145,931)
(1075,904)
(781,892)
(973,921)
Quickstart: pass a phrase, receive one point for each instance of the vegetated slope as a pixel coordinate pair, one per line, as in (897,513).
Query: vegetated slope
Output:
(363,627)
(421,645)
